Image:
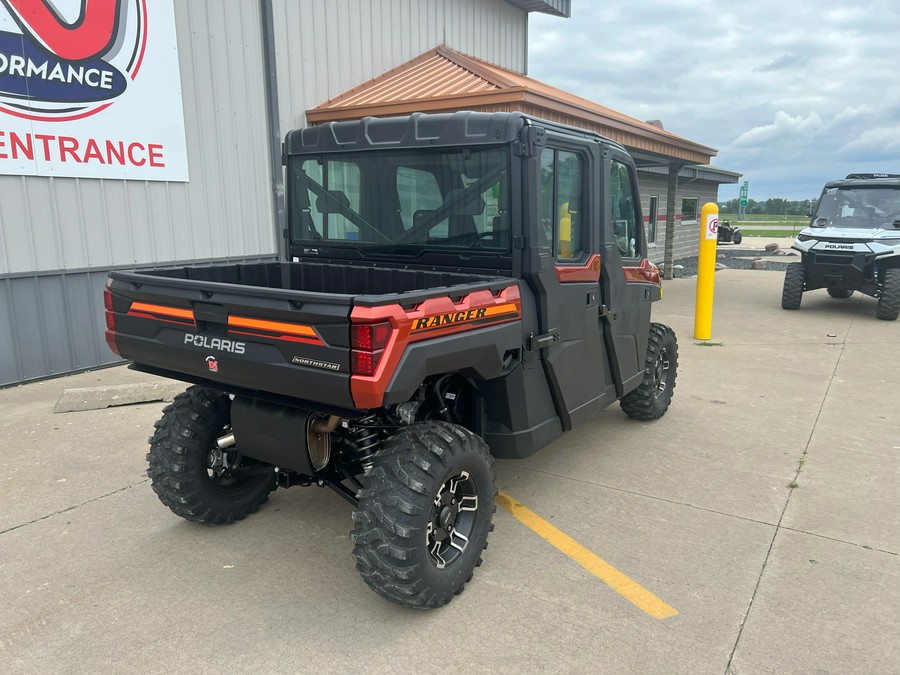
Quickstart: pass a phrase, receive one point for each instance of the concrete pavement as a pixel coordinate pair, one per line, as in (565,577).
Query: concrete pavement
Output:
(97,576)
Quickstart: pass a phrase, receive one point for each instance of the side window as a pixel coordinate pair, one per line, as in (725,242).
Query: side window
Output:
(562,201)
(626,228)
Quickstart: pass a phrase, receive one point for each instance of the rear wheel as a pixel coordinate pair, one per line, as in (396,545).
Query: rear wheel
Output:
(792,293)
(889,302)
(425,514)
(652,398)
(840,293)
(190,473)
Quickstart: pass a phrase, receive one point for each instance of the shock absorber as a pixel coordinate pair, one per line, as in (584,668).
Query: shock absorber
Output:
(367,441)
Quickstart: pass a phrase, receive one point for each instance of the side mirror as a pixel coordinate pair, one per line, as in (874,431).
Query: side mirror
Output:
(896,224)
(809,208)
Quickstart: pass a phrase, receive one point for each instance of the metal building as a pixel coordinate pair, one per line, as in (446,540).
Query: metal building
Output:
(150,133)
(85,188)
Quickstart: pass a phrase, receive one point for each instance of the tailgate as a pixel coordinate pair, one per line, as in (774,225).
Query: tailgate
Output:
(291,343)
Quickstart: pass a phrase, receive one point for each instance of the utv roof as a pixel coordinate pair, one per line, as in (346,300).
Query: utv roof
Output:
(869,180)
(422,130)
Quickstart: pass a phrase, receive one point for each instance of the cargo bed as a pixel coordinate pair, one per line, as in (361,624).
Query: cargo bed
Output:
(273,327)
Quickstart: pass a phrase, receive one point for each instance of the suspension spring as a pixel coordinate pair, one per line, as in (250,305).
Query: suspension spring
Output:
(367,441)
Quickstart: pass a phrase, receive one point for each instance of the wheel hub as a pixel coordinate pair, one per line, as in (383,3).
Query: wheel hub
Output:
(661,375)
(452,520)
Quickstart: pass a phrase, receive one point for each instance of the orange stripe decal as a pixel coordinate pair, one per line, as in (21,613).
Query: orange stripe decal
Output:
(274,326)
(590,271)
(162,310)
(646,272)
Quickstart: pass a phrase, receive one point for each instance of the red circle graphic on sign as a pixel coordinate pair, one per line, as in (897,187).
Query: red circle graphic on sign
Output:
(54,70)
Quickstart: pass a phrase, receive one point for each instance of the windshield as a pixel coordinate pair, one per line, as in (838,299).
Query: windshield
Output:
(864,208)
(389,200)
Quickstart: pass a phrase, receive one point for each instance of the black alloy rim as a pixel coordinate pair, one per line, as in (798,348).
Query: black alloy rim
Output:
(452,520)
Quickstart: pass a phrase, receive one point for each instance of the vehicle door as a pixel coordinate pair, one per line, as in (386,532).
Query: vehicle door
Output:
(627,286)
(567,283)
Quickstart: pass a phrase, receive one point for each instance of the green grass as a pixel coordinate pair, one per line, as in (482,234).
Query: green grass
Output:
(778,234)
(763,218)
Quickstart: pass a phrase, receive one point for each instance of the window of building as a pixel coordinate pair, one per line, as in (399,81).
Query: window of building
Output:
(562,202)
(626,227)
(653,208)
(689,209)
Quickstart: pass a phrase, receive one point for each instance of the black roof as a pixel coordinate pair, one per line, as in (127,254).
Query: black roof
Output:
(423,130)
(866,180)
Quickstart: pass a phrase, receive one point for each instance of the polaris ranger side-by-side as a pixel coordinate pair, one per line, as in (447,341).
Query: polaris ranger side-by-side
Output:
(851,244)
(457,287)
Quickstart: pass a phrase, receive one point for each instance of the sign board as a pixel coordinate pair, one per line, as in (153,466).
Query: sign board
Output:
(91,89)
(712,226)
(745,189)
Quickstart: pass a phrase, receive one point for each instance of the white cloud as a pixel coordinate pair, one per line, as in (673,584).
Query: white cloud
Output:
(792,93)
(784,131)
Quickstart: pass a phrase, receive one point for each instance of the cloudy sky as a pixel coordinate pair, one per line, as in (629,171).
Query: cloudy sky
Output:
(791,92)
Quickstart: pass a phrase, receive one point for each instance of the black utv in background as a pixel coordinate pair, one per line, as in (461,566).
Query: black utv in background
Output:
(457,287)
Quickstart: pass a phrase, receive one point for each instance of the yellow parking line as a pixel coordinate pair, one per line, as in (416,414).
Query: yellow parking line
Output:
(629,589)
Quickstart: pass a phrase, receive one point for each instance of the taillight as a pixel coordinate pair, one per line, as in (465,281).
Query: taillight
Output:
(368,342)
(364,363)
(110,321)
(110,310)
(370,337)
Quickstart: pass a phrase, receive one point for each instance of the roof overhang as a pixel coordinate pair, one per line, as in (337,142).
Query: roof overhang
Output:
(554,7)
(704,172)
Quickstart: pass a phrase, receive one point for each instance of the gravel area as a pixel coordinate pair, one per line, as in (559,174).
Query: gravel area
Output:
(740,259)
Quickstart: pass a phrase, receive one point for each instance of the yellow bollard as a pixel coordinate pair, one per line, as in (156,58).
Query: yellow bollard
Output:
(706,271)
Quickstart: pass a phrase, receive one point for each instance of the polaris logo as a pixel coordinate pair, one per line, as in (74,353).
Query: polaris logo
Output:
(220,344)
(839,247)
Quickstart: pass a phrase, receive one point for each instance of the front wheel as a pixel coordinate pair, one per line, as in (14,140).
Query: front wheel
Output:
(737,238)
(652,398)
(889,302)
(425,514)
(188,471)
(792,292)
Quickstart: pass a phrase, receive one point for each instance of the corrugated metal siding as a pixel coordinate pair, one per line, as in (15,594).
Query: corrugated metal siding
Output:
(50,325)
(225,209)
(325,48)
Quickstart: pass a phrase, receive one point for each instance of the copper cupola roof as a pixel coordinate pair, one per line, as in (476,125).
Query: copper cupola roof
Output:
(445,80)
